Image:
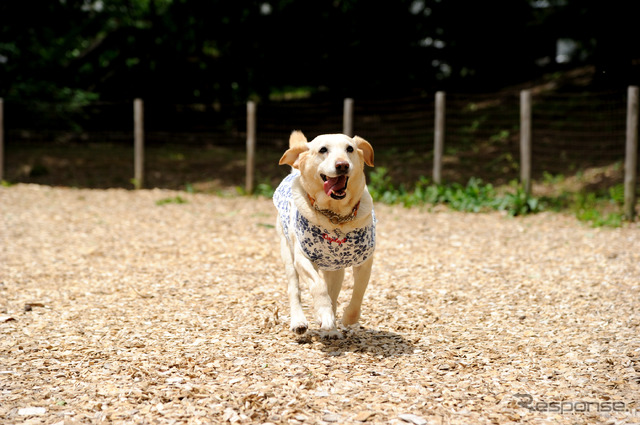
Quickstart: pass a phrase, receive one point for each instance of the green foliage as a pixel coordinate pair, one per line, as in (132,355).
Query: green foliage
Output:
(382,189)
(549,178)
(221,51)
(188,187)
(264,189)
(616,193)
(475,196)
(600,210)
(597,209)
(172,200)
(518,202)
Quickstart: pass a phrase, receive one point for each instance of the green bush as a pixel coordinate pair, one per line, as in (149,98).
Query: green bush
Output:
(591,208)
(475,196)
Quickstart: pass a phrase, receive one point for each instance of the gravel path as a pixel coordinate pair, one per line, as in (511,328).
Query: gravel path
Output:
(114,308)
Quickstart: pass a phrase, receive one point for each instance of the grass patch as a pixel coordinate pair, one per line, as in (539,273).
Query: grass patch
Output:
(600,209)
(172,200)
(475,196)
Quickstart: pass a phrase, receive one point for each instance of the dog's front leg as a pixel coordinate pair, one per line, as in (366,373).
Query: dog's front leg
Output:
(361,275)
(322,302)
(334,281)
(299,323)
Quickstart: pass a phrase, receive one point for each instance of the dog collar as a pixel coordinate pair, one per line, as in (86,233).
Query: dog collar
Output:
(332,216)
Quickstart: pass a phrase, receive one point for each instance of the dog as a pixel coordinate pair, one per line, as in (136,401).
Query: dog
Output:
(326,224)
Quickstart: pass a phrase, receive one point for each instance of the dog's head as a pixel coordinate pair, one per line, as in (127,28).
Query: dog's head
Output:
(331,166)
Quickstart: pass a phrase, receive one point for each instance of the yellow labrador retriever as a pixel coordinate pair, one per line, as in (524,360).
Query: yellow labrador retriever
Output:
(326,223)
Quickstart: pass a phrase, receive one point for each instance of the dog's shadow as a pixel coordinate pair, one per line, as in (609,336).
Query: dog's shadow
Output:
(361,340)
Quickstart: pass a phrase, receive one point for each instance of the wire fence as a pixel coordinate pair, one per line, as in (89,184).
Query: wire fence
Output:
(585,129)
(571,132)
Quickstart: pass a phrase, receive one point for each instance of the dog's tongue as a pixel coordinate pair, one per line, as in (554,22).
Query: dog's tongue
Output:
(334,184)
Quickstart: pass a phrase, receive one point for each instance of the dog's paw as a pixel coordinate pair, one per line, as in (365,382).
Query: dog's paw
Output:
(299,328)
(326,319)
(332,334)
(350,317)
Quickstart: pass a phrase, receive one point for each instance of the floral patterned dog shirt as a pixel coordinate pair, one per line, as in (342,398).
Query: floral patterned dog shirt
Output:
(329,249)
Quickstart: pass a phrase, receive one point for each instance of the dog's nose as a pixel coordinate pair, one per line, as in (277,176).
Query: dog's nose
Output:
(342,166)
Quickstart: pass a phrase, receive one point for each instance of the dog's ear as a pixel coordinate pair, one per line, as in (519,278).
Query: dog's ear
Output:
(366,148)
(297,146)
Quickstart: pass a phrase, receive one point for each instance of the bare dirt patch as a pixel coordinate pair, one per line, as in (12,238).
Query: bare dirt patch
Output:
(117,308)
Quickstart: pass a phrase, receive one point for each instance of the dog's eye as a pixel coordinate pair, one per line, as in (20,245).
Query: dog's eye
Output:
(323,150)
(349,149)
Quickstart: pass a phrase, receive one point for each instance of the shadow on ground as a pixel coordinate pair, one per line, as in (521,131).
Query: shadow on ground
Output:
(361,340)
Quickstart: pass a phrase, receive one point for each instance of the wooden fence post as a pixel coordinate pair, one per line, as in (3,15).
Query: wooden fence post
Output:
(138,143)
(1,139)
(251,146)
(525,140)
(347,117)
(438,136)
(631,154)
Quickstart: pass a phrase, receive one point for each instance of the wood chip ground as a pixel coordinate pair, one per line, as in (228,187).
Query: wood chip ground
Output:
(114,309)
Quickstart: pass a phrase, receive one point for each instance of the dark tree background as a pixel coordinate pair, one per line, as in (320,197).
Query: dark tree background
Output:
(220,50)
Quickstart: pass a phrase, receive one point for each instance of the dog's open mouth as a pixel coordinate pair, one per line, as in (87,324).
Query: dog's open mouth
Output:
(336,187)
